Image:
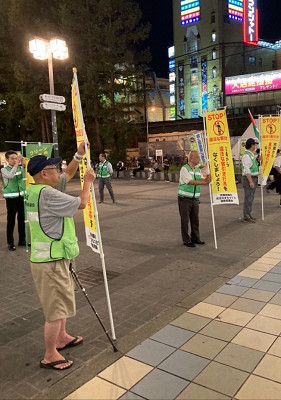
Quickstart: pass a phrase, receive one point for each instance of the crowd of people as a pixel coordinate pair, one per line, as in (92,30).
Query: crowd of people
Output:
(54,245)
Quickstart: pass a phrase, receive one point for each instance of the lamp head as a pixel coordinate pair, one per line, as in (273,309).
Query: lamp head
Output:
(39,48)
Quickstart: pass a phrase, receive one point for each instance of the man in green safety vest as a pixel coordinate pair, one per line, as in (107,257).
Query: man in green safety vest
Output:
(250,173)
(104,173)
(188,199)
(13,191)
(53,247)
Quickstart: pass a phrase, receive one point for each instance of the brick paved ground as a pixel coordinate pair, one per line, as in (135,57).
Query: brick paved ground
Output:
(153,278)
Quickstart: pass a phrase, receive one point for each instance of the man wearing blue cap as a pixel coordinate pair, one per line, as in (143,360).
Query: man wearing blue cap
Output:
(250,172)
(53,247)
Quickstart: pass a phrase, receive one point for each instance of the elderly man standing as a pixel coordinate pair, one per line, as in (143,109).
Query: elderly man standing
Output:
(53,247)
(250,172)
(188,199)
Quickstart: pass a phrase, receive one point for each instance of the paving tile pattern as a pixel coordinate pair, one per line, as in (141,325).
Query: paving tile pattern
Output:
(225,347)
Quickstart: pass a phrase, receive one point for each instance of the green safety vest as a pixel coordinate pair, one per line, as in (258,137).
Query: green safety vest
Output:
(44,248)
(191,191)
(15,186)
(254,168)
(103,173)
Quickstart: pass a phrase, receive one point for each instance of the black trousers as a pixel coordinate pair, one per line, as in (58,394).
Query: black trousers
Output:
(189,213)
(15,206)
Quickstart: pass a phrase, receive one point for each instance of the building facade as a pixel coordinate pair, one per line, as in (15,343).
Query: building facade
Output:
(216,41)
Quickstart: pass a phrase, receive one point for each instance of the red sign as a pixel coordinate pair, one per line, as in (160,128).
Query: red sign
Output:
(250,23)
(259,82)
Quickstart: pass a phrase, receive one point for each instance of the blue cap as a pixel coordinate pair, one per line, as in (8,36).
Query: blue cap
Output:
(250,142)
(37,163)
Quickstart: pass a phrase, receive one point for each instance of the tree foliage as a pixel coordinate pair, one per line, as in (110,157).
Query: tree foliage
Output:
(102,37)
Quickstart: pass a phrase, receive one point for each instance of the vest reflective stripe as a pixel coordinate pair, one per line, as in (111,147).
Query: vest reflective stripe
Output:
(254,169)
(103,173)
(13,195)
(191,191)
(43,247)
(15,186)
(41,250)
(32,216)
(185,194)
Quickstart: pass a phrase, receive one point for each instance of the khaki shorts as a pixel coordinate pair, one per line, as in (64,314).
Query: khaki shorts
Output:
(55,288)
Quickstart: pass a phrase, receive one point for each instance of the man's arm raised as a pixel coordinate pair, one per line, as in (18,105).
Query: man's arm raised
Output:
(89,177)
(73,165)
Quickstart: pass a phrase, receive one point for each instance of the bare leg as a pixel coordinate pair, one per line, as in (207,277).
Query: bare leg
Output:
(63,337)
(51,333)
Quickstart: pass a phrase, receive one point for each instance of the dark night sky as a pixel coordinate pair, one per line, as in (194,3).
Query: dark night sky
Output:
(159,14)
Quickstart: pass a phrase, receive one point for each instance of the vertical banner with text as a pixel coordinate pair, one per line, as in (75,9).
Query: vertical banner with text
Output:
(220,157)
(270,137)
(196,143)
(88,213)
(35,149)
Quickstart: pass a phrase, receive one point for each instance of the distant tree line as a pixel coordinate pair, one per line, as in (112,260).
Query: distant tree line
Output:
(104,39)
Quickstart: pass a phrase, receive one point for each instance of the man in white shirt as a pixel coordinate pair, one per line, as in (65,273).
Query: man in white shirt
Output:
(188,199)
(250,172)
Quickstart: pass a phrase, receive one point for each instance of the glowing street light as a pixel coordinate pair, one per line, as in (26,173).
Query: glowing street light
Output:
(43,50)
(152,109)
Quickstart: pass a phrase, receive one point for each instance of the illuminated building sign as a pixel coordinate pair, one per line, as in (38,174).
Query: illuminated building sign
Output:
(260,82)
(250,23)
(204,84)
(235,10)
(190,11)
(172,65)
(171,52)
(181,90)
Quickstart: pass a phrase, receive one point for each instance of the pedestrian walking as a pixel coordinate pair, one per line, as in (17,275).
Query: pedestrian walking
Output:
(188,199)
(119,167)
(53,248)
(250,172)
(166,167)
(104,174)
(13,185)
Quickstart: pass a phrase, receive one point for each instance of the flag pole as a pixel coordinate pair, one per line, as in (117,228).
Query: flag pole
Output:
(95,211)
(210,187)
(22,144)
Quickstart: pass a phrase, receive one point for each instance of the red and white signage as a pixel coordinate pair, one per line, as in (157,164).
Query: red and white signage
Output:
(250,23)
(259,82)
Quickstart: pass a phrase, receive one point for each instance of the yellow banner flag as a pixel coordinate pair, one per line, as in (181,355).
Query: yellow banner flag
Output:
(221,164)
(270,137)
(88,212)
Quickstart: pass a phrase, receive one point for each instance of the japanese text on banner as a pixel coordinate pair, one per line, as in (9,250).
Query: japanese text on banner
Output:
(196,143)
(270,137)
(221,164)
(88,213)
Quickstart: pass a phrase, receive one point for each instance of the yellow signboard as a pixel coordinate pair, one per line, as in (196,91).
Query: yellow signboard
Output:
(270,137)
(88,213)
(220,157)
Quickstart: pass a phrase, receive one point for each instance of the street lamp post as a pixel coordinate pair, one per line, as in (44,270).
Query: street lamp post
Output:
(42,50)
(147,138)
